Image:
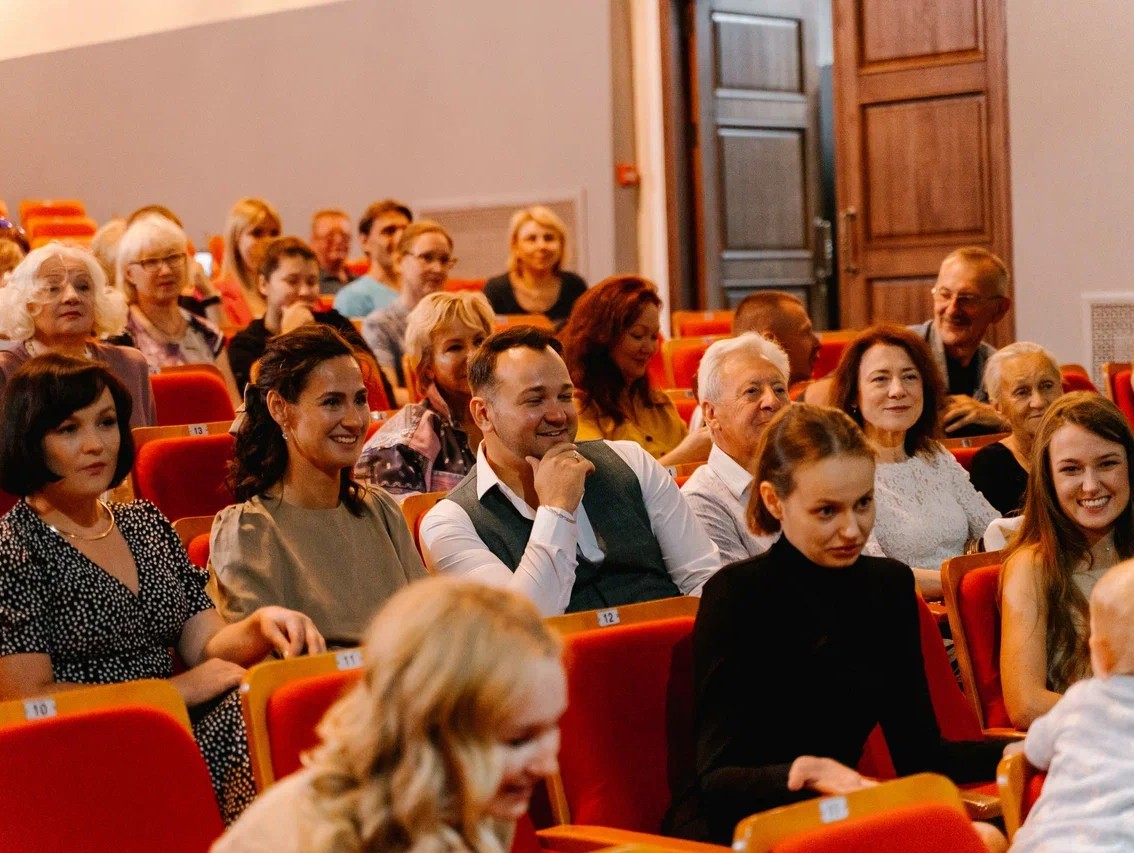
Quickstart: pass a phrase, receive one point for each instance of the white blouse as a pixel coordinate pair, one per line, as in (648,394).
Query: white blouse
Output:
(927,509)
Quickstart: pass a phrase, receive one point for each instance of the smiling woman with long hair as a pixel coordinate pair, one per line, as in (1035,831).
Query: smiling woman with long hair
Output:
(439,746)
(306,535)
(1078,522)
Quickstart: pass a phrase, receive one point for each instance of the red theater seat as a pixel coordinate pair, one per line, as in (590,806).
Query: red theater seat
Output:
(925,828)
(972,587)
(683,355)
(129,780)
(184,476)
(627,736)
(191,397)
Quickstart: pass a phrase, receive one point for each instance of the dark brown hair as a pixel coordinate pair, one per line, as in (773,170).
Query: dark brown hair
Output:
(284,247)
(386,205)
(261,452)
(796,436)
(599,319)
(43,393)
(1058,542)
(482,365)
(845,393)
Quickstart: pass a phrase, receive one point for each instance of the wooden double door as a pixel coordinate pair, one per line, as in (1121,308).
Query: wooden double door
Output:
(921,143)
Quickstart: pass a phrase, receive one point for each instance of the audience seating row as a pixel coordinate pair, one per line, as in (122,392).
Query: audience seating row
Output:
(630,678)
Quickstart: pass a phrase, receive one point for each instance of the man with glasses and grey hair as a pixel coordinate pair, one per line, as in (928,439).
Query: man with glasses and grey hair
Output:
(970,295)
(743,382)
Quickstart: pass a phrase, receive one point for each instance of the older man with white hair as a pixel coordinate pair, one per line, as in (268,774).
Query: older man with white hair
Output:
(743,383)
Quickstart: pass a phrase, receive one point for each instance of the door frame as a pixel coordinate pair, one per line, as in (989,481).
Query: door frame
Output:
(675,180)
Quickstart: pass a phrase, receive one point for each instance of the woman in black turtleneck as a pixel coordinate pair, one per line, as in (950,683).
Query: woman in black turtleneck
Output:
(800,651)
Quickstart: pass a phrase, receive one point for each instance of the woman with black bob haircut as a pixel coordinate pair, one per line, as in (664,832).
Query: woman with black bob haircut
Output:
(305,534)
(97,593)
(829,637)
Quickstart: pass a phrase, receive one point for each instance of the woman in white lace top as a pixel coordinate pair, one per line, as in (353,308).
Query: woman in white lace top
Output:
(927,509)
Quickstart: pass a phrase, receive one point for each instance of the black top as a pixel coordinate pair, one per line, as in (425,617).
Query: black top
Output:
(249,343)
(791,659)
(503,299)
(998,476)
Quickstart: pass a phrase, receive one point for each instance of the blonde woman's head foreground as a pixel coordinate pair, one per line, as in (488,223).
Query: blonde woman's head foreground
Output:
(439,746)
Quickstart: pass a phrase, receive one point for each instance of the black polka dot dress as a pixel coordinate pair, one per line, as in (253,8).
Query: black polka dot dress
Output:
(55,601)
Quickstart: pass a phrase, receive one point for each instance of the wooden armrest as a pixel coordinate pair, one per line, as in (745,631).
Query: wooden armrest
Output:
(570,838)
(1004,731)
(981,806)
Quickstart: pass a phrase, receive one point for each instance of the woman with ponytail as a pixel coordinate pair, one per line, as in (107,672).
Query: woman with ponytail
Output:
(304,530)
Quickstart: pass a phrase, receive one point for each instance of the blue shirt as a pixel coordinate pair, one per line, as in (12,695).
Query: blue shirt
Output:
(363,295)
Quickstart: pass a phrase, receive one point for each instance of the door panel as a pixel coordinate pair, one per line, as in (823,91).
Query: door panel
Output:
(903,29)
(922,149)
(755,83)
(917,152)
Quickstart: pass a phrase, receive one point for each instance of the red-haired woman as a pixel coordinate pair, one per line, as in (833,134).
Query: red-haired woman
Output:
(608,342)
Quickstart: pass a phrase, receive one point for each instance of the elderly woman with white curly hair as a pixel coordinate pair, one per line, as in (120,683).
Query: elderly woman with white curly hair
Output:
(58,300)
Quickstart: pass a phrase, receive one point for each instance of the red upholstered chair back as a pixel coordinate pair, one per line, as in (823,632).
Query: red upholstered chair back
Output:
(955,716)
(1123,394)
(454,284)
(925,827)
(1076,378)
(295,709)
(979,611)
(185,476)
(964,455)
(657,371)
(1032,790)
(627,736)
(7,501)
(684,356)
(198,550)
(126,779)
(190,397)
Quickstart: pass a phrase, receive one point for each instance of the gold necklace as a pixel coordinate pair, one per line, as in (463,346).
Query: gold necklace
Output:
(94,538)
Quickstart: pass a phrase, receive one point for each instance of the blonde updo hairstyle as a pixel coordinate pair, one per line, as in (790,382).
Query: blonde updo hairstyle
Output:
(467,307)
(410,757)
(20,303)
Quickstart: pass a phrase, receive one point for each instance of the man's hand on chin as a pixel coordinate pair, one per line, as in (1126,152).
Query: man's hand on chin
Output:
(560,476)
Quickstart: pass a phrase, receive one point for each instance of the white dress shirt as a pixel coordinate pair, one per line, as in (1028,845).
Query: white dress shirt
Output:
(546,572)
(718,493)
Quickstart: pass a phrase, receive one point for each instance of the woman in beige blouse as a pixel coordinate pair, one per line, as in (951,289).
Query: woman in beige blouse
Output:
(304,530)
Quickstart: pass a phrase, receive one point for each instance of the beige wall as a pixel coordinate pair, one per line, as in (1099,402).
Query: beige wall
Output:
(39,26)
(1070,73)
(427,100)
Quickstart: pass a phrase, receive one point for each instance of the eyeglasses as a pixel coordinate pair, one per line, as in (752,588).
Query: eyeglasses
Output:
(175,262)
(961,300)
(430,258)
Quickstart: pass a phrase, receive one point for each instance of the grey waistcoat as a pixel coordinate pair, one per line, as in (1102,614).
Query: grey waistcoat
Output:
(633,569)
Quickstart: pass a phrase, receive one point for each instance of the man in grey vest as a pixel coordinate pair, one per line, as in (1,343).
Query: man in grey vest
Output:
(574,527)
